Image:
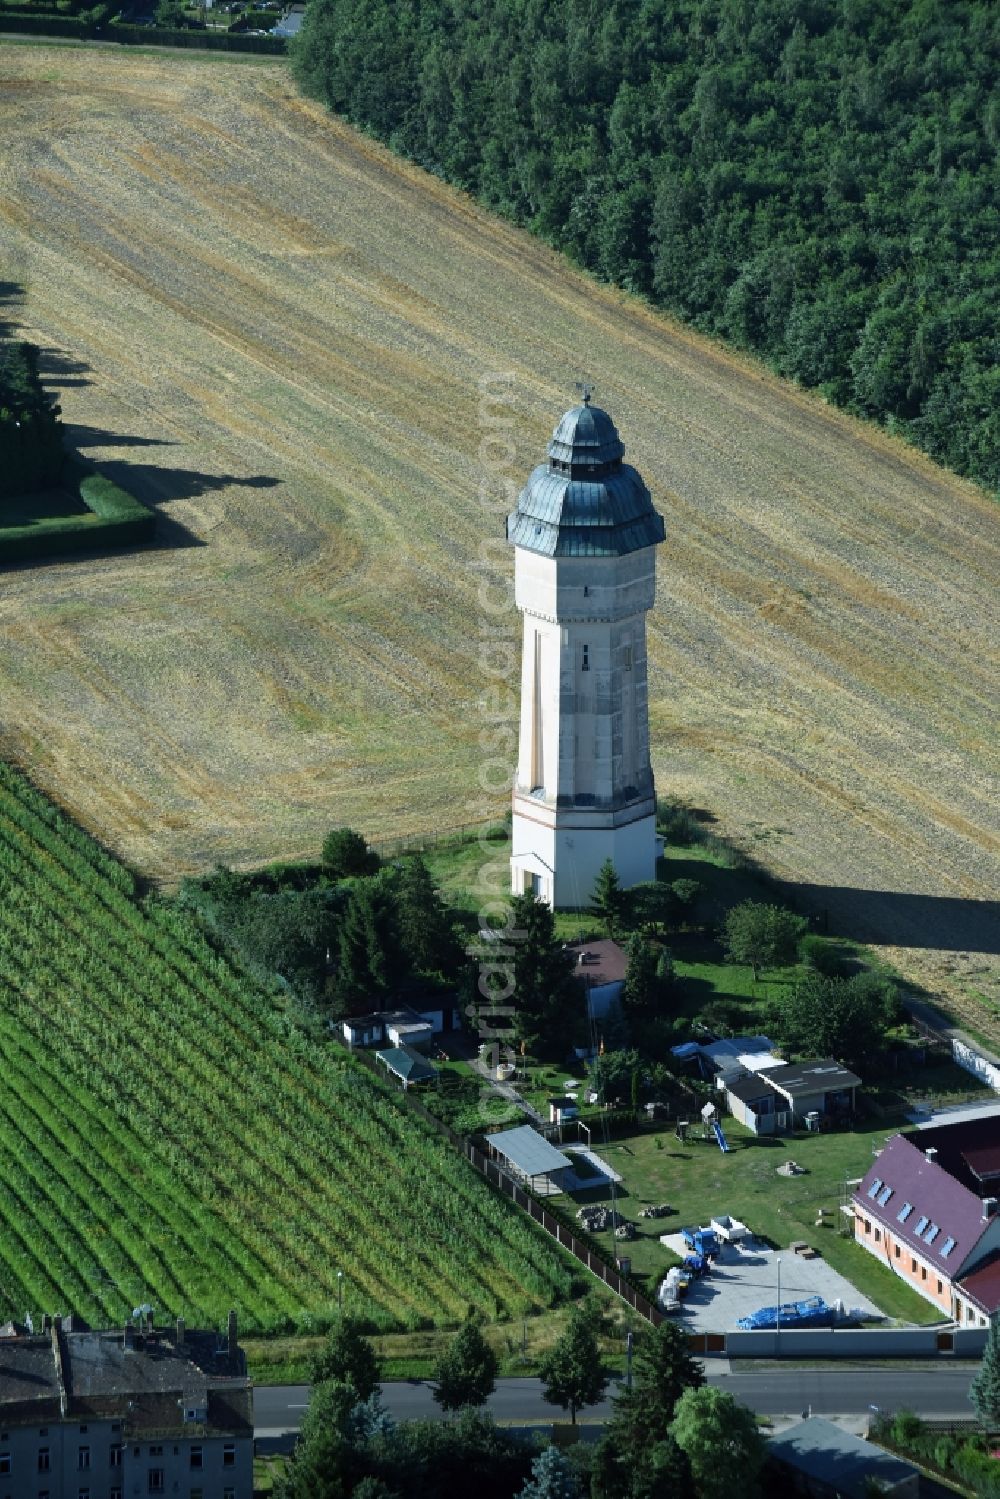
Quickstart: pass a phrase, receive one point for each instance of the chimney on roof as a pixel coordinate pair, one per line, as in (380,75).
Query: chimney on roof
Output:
(57,1323)
(46,1323)
(232,1336)
(149,1320)
(931,1152)
(180,1332)
(128,1341)
(989,1207)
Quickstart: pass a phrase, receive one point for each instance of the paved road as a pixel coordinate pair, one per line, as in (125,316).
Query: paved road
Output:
(769,1390)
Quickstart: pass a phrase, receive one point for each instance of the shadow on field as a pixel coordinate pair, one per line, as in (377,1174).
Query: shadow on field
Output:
(96,437)
(57,368)
(898,919)
(158,487)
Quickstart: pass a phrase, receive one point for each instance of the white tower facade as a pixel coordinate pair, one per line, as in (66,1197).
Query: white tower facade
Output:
(585,533)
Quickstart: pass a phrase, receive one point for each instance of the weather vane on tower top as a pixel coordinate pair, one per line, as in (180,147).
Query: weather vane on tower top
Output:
(586,390)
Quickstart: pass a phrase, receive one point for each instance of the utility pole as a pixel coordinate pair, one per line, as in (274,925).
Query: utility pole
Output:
(628,1360)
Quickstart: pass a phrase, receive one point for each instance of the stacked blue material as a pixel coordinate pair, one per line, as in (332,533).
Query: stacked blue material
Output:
(812,1312)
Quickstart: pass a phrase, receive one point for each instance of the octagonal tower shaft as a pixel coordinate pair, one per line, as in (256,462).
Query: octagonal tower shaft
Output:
(585,533)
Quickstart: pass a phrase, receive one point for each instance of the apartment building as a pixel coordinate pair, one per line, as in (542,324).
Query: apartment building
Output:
(137,1411)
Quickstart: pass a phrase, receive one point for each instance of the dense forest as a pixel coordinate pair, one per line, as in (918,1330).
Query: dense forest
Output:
(814,180)
(31,453)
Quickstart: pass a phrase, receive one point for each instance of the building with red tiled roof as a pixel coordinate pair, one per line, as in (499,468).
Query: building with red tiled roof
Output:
(926,1210)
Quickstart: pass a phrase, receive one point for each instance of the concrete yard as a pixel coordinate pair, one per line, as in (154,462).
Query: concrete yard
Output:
(742,1282)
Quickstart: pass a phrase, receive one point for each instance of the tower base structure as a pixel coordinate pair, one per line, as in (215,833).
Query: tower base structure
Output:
(557,853)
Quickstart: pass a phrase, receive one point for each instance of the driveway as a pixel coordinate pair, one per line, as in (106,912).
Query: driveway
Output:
(742,1282)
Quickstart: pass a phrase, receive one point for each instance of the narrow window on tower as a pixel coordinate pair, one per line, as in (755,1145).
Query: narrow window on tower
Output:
(628,658)
(586,658)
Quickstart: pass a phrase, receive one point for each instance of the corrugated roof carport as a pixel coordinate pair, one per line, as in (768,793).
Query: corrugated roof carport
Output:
(530,1156)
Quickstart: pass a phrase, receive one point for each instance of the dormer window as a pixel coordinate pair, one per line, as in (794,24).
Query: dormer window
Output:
(585,663)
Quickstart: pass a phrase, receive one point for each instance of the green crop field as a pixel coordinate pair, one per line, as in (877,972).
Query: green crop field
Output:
(170,1135)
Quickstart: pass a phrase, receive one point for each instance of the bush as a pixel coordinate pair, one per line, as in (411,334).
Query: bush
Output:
(977,1470)
(824,956)
(677,824)
(345,853)
(907,1429)
(944,1452)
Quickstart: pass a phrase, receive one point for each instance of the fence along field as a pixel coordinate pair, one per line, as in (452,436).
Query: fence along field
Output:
(170,1136)
(281,331)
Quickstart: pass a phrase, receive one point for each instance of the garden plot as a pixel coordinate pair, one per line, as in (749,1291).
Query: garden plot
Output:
(742,1281)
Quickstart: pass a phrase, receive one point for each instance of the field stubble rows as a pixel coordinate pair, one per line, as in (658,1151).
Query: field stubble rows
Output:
(282,331)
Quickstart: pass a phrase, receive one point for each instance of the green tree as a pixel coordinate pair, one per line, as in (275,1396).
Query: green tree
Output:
(662,1370)
(651,906)
(833,1017)
(762,936)
(984,1392)
(318,1464)
(611,1073)
(426,926)
(371,956)
(345,853)
(468,1454)
(552,1477)
(31,435)
(641,990)
(636,1459)
(546,997)
(466,1373)
(171,13)
(687,894)
(347,1356)
(572,1375)
(720,1439)
(608,899)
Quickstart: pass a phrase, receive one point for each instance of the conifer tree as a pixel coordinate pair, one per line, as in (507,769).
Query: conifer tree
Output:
(608,898)
(984,1392)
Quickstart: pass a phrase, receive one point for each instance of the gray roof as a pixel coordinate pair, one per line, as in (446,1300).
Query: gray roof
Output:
(585,502)
(146,1385)
(836,1457)
(526,1149)
(407,1064)
(826,1076)
(751,1089)
(405,1016)
(27,1371)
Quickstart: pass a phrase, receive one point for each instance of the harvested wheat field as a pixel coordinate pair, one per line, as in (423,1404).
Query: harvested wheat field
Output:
(274,333)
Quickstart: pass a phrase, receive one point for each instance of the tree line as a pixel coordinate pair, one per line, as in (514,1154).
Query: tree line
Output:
(669,1436)
(31,450)
(813,180)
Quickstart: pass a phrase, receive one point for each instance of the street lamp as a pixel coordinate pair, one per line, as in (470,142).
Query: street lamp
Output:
(777,1319)
(340,1292)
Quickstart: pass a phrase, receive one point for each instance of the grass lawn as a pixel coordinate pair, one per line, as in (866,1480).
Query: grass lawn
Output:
(699,1181)
(519,1346)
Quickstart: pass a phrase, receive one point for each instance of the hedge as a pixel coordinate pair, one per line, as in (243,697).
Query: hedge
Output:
(114,519)
(159,36)
(46,25)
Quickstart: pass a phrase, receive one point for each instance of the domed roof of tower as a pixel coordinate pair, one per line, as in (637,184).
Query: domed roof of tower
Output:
(586,435)
(585,502)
